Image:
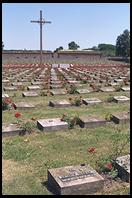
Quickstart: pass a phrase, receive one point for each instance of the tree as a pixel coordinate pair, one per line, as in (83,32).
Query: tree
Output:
(107,49)
(58,49)
(94,48)
(2,45)
(123,44)
(73,46)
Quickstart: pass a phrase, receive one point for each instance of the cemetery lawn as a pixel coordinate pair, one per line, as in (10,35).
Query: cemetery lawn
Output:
(25,159)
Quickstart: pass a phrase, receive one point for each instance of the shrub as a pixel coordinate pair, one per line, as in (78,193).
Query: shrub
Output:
(72,121)
(6,103)
(72,89)
(21,87)
(110,99)
(77,101)
(118,87)
(108,117)
(43,93)
(84,81)
(28,126)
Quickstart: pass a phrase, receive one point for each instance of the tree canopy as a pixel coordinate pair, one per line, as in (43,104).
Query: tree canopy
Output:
(107,49)
(123,44)
(73,46)
(58,49)
(2,45)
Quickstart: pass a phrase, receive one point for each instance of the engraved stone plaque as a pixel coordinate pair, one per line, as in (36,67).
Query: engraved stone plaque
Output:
(75,180)
(54,124)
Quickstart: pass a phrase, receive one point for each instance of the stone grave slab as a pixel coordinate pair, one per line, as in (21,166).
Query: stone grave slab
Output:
(5,81)
(123,167)
(114,84)
(91,121)
(10,88)
(58,92)
(38,80)
(53,124)
(11,130)
(118,80)
(59,103)
(24,105)
(83,91)
(56,86)
(74,82)
(121,118)
(75,180)
(30,94)
(91,101)
(23,80)
(33,87)
(120,99)
(55,82)
(102,81)
(16,84)
(5,96)
(125,88)
(107,89)
(37,83)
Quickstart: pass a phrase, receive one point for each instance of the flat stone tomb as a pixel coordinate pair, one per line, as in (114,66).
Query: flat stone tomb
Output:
(91,101)
(10,130)
(114,84)
(83,91)
(125,88)
(59,103)
(74,81)
(107,89)
(10,88)
(33,87)
(23,80)
(37,83)
(5,96)
(56,86)
(91,121)
(30,94)
(123,166)
(38,80)
(102,81)
(17,84)
(58,92)
(118,99)
(121,118)
(55,82)
(118,80)
(5,81)
(24,105)
(53,124)
(75,180)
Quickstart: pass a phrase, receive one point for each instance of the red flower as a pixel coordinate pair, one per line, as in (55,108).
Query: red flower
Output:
(109,166)
(8,101)
(18,115)
(92,150)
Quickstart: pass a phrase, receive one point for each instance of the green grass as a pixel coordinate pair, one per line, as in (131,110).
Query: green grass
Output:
(31,155)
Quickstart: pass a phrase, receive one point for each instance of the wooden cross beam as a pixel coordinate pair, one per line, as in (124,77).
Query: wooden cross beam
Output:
(41,22)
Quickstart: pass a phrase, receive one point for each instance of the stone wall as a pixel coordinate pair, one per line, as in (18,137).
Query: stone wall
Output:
(26,57)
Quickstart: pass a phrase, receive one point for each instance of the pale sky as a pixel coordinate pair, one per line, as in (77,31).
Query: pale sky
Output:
(88,24)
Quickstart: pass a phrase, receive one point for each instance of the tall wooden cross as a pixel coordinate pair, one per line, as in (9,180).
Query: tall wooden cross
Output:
(41,22)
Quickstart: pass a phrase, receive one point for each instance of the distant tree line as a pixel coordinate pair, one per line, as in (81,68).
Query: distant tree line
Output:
(121,49)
